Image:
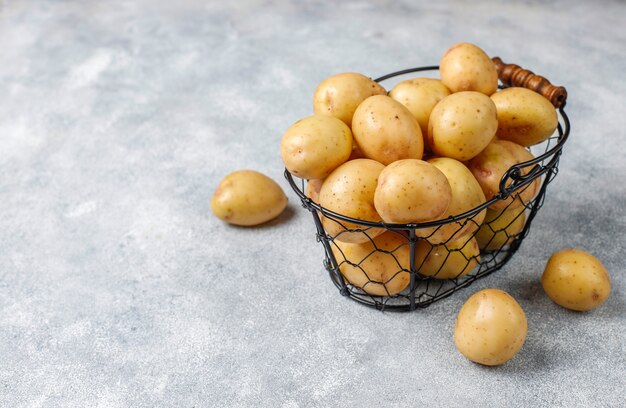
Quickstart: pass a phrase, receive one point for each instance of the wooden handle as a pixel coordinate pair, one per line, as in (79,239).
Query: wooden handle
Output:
(514,75)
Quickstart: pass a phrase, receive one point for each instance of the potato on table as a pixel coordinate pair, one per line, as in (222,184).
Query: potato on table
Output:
(490,328)
(247,197)
(576,280)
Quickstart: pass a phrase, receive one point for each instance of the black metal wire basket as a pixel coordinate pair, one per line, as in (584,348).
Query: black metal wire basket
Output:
(426,270)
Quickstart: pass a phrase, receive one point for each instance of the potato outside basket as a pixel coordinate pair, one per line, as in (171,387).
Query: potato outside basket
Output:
(423,290)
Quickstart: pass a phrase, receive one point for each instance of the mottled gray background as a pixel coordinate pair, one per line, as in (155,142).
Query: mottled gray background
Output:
(119,289)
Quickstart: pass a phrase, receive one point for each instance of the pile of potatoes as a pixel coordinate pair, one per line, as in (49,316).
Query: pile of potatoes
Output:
(427,150)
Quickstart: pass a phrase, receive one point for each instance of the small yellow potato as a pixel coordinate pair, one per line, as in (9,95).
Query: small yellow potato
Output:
(500,228)
(340,94)
(313,188)
(490,328)
(466,67)
(349,191)
(316,145)
(377,273)
(419,96)
(411,191)
(247,197)
(466,195)
(462,125)
(524,116)
(493,162)
(386,131)
(452,260)
(576,280)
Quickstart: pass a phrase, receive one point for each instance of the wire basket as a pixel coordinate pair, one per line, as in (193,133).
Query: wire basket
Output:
(426,270)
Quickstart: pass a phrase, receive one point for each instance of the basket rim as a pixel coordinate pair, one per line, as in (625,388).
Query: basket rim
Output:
(514,173)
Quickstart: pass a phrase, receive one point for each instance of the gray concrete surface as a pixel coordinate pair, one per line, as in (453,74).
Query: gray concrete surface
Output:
(119,289)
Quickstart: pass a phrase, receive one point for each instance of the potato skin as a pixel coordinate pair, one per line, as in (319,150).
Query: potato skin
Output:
(466,195)
(462,125)
(500,227)
(490,166)
(490,328)
(378,273)
(452,260)
(419,96)
(247,198)
(316,145)
(411,191)
(576,280)
(313,188)
(386,131)
(349,190)
(339,95)
(524,117)
(466,67)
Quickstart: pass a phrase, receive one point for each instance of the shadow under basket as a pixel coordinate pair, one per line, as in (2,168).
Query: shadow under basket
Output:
(403,267)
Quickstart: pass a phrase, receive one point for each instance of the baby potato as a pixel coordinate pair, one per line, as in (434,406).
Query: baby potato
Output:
(411,191)
(349,190)
(490,166)
(386,131)
(524,117)
(247,197)
(490,328)
(419,96)
(500,228)
(576,280)
(378,273)
(466,195)
(316,145)
(462,125)
(452,260)
(466,67)
(340,94)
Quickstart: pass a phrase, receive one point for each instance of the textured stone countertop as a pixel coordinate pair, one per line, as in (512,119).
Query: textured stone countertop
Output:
(118,288)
